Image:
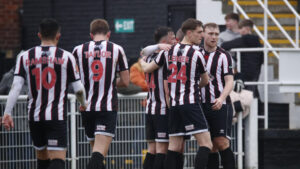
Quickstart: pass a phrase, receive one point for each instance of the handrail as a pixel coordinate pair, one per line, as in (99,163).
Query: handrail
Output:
(266,83)
(254,27)
(277,23)
(297,19)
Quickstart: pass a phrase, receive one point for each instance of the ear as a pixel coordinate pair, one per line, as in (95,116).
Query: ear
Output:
(57,36)
(92,36)
(39,35)
(108,34)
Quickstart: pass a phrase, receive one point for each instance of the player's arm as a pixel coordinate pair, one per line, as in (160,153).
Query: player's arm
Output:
(15,90)
(123,80)
(148,67)
(226,91)
(203,79)
(228,77)
(80,94)
(152,48)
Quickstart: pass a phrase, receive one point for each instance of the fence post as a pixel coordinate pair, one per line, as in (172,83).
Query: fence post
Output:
(240,140)
(251,137)
(73,130)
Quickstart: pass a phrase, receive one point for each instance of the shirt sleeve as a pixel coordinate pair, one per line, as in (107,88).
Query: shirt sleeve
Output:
(160,60)
(13,94)
(227,64)
(122,61)
(20,70)
(72,69)
(201,62)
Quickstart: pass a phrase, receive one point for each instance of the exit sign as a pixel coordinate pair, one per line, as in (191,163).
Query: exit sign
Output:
(124,25)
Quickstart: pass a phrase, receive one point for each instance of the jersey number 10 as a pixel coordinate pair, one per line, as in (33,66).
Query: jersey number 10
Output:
(45,72)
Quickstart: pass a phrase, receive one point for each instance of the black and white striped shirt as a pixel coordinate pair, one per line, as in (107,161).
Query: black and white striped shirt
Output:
(156,100)
(185,65)
(49,70)
(218,64)
(98,63)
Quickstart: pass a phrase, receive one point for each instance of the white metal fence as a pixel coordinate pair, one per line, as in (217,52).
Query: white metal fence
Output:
(127,149)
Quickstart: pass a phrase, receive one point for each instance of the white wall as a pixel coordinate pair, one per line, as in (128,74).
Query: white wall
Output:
(210,11)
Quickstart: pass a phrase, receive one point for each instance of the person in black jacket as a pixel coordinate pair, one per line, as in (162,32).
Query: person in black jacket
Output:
(250,61)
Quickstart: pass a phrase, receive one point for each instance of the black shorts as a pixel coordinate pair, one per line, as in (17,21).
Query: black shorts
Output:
(49,134)
(220,121)
(99,122)
(186,119)
(157,128)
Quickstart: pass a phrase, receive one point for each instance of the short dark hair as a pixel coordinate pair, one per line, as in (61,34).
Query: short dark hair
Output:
(160,32)
(99,26)
(210,25)
(246,23)
(233,16)
(49,28)
(190,24)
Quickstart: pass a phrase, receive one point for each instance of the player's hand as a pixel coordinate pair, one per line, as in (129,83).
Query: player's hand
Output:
(7,121)
(165,47)
(218,104)
(82,108)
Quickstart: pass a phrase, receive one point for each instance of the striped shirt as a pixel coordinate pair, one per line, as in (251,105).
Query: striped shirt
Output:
(185,65)
(98,64)
(156,100)
(218,65)
(49,70)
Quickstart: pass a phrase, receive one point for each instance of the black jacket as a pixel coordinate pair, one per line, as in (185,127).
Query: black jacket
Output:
(250,61)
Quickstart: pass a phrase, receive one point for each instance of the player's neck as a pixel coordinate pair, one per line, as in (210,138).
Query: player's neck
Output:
(48,43)
(99,37)
(209,48)
(235,29)
(186,41)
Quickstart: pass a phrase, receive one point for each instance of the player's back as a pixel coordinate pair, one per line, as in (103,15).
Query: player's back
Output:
(185,65)
(98,63)
(48,70)
(156,100)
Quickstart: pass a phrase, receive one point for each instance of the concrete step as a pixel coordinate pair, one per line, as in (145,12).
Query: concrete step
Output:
(272,8)
(283,21)
(255,3)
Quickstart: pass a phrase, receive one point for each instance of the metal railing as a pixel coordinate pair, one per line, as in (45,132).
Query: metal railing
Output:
(266,82)
(126,151)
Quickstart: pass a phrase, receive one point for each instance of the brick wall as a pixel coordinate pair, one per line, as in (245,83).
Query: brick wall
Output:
(10,27)
(75,16)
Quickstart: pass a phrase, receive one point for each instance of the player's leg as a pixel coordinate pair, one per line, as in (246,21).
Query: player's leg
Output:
(39,142)
(56,135)
(221,136)
(176,133)
(213,158)
(150,156)
(161,139)
(150,137)
(43,160)
(105,125)
(196,124)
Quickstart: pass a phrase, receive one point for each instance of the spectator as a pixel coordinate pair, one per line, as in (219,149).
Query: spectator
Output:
(250,61)
(137,76)
(232,28)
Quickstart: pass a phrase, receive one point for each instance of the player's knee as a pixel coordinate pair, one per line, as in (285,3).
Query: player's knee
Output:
(161,148)
(175,144)
(57,164)
(221,143)
(151,147)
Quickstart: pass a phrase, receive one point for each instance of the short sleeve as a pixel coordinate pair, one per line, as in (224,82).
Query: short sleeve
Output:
(200,62)
(72,69)
(160,59)
(122,61)
(227,64)
(20,69)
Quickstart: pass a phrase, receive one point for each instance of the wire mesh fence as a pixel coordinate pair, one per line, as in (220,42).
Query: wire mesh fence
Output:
(127,150)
